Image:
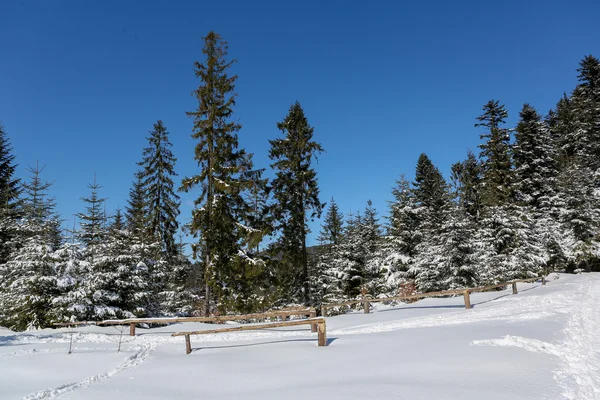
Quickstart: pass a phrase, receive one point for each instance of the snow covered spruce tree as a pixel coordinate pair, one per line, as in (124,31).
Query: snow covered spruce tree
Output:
(403,233)
(161,201)
(586,105)
(376,270)
(536,171)
(510,248)
(9,195)
(325,282)
(296,198)
(221,209)
(433,201)
(466,179)
(349,258)
(30,272)
(97,291)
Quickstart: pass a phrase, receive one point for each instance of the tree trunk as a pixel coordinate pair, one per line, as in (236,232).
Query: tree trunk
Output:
(305,271)
(206,311)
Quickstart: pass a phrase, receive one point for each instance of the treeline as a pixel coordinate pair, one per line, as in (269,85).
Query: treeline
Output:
(528,203)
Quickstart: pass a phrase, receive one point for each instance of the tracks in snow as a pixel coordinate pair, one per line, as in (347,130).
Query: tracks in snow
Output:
(131,362)
(579,351)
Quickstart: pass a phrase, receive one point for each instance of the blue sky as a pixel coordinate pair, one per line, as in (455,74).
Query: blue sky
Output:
(82,82)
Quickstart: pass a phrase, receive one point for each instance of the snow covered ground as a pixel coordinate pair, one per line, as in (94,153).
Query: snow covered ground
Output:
(543,343)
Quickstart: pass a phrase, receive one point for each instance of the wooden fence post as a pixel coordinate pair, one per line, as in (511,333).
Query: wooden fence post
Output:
(366,306)
(188,344)
(322,334)
(323,311)
(313,314)
(543,280)
(132,329)
(467,299)
(514,285)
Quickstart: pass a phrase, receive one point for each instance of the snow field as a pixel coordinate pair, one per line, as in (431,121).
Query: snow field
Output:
(540,344)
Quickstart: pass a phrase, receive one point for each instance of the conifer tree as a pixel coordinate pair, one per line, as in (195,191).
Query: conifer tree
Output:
(535,162)
(218,220)
(135,212)
(93,221)
(466,179)
(562,125)
(295,189)
(371,246)
(349,260)
(71,302)
(433,201)
(403,232)
(431,195)
(162,204)
(495,155)
(9,195)
(331,229)
(586,103)
(180,294)
(31,279)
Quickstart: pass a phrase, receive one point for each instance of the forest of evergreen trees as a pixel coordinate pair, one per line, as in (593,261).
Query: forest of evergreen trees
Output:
(527,204)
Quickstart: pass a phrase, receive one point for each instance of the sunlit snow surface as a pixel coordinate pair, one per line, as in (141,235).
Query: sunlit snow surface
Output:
(543,343)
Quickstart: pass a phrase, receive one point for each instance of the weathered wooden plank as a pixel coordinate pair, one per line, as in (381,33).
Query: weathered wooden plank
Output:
(324,307)
(250,327)
(514,288)
(74,323)
(223,318)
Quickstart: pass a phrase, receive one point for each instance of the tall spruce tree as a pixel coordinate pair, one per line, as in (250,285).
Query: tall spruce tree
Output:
(495,155)
(218,219)
(295,189)
(162,204)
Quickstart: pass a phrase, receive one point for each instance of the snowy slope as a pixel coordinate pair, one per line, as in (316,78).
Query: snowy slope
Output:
(540,344)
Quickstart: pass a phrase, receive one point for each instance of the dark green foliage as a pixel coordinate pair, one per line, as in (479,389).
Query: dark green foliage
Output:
(404,219)
(495,155)
(93,221)
(221,209)
(295,189)
(9,195)
(161,202)
(466,179)
(535,162)
(563,130)
(331,229)
(431,194)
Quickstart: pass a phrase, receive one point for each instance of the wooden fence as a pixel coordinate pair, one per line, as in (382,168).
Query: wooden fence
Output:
(283,314)
(314,322)
(366,301)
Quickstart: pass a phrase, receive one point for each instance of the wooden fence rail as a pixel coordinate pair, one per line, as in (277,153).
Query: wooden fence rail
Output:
(366,301)
(319,322)
(132,322)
